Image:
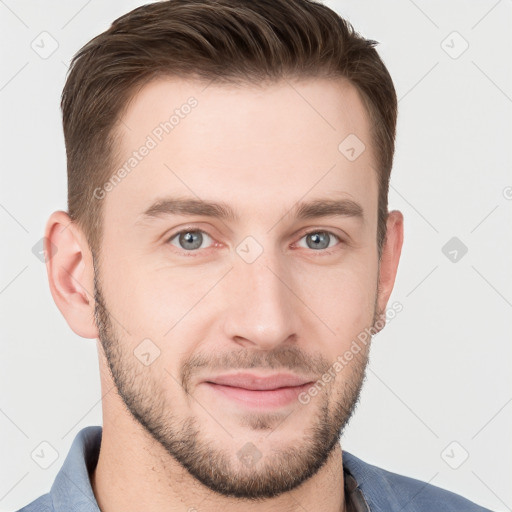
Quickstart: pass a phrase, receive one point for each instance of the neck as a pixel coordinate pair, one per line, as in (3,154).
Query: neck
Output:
(135,473)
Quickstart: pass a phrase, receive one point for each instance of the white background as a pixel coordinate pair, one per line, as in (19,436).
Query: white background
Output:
(439,372)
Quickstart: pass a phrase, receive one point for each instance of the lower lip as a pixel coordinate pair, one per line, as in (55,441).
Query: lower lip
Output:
(256,398)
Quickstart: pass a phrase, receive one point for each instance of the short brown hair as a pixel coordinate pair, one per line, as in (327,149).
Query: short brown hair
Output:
(222,41)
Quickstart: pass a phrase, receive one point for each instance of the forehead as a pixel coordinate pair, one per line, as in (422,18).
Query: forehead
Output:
(247,145)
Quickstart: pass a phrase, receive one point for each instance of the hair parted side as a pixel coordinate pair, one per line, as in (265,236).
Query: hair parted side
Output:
(220,41)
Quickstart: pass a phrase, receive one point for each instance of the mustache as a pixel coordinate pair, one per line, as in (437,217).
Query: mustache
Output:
(282,358)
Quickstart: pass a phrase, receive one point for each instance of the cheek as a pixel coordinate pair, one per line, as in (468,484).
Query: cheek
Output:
(343,298)
(159,303)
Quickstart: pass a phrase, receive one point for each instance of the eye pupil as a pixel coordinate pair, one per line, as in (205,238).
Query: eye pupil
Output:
(320,240)
(193,238)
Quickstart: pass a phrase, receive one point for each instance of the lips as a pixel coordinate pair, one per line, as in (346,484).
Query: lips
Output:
(259,382)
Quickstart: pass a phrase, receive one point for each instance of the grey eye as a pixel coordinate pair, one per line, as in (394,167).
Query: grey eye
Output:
(318,240)
(189,240)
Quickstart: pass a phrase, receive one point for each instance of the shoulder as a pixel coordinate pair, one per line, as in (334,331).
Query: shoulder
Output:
(384,490)
(42,504)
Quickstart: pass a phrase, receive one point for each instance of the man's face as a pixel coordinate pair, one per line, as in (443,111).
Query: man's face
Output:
(266,291)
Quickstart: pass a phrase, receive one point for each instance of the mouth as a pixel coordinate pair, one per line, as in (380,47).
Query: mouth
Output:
(255,391)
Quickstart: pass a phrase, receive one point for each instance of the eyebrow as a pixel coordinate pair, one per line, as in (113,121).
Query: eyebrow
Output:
(301,210)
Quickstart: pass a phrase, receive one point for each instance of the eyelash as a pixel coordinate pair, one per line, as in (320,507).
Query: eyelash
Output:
(196,252)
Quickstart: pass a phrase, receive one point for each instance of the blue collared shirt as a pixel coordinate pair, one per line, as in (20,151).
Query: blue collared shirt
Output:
(367,488)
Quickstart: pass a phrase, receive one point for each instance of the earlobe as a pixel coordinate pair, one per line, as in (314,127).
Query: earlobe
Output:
(390,258)
(70,273)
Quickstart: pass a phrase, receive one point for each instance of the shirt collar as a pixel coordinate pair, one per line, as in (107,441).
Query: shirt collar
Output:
(378,489)
(72,488)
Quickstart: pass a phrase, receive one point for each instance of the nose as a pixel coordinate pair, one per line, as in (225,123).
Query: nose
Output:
(261,308)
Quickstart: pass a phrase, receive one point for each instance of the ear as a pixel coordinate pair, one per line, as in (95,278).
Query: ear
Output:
(390,257)
(70,273)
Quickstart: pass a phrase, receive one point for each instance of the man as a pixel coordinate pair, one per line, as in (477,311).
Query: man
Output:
(227,242)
